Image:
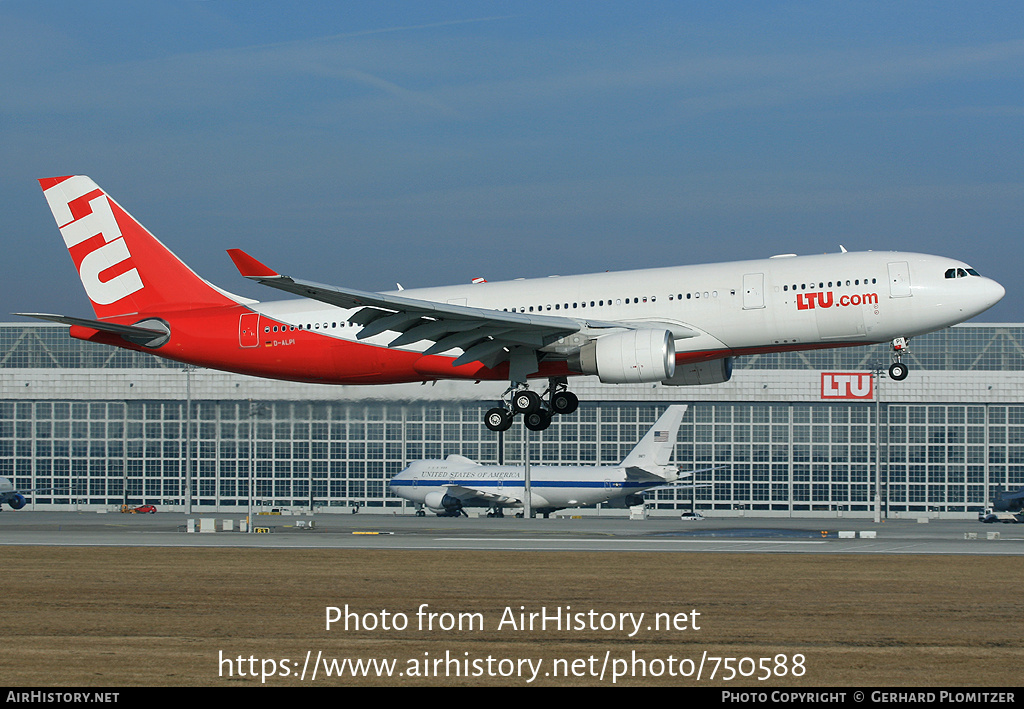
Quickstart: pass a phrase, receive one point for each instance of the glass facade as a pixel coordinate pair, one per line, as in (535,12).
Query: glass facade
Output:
(767,458)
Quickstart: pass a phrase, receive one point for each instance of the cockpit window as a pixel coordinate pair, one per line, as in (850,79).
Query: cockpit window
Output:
(961,272)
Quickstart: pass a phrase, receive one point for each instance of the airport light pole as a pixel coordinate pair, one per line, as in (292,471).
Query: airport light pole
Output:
(878,444)
(254,410)
(252,466)
(527,502)
(187,497)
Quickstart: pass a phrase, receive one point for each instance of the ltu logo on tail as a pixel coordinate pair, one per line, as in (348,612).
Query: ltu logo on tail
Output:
(100,221)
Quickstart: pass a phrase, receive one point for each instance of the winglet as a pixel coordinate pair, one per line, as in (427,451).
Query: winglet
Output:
(250,267)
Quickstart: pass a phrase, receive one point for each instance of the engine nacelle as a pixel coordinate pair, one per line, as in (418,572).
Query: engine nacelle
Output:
(16,501)
(715,371)
(442,501)
(630,357)
(624,502)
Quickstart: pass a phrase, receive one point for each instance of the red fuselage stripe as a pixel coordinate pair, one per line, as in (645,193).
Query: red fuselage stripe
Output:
(210,337)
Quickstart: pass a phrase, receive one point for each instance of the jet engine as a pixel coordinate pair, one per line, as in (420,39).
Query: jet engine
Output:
(16,501)
(624,502)
(696,373)
(628,358)
(443,502)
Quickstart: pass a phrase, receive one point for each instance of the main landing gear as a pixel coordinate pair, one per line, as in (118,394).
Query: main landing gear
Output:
(898,371)
(537,411)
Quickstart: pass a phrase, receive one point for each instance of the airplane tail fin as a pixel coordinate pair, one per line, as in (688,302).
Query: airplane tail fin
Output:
(124,268)
(655,448)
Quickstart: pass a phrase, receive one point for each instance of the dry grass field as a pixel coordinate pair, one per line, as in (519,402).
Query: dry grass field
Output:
(168,616)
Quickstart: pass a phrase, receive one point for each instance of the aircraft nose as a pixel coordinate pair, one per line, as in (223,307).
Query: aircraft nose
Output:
(987,294)
(994,292)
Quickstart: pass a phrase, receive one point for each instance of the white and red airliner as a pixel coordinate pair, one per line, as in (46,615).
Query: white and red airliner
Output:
(678,325)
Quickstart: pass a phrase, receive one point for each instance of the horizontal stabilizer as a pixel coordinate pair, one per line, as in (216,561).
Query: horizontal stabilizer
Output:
(133,333)
(639,475)
(677,486)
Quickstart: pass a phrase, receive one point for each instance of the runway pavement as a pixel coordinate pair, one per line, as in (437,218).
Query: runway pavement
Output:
(590,533)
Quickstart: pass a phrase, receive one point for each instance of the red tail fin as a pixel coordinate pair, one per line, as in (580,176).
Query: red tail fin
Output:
(124,268)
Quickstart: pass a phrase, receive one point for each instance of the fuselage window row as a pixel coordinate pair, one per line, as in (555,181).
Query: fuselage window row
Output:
(637,300)
(831,284)
(695,295)
(307,326)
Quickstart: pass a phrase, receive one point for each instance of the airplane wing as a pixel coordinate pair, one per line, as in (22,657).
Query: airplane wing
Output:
(486,336)
(35,489)
(466,493)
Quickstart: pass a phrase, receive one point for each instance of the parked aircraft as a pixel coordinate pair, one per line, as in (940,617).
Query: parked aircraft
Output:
(1007,500)
(15,498)
(679,325)
(446,487)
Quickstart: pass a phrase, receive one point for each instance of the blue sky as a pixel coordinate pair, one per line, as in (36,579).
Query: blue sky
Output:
(429,143)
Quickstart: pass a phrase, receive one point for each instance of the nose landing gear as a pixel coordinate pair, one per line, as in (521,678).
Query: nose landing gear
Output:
(898,371)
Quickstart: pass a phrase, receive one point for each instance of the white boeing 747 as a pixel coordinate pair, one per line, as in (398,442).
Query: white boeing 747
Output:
(446,487)
(677,325)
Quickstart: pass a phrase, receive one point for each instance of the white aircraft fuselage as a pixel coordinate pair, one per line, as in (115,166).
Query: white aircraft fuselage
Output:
(447,486)
(733,308)
(428,482)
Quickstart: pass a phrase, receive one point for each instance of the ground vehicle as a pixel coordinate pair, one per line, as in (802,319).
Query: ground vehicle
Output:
(990,516)
(143,509)
(691,517)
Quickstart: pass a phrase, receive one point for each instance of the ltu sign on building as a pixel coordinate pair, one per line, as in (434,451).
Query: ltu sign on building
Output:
(846,385)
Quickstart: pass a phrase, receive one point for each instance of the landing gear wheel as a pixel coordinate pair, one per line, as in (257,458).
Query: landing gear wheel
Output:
(537,421)
(898,371)
(526,402)
(564,402)
(498,419)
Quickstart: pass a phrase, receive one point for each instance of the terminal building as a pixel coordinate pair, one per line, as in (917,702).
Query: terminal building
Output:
(817,434)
